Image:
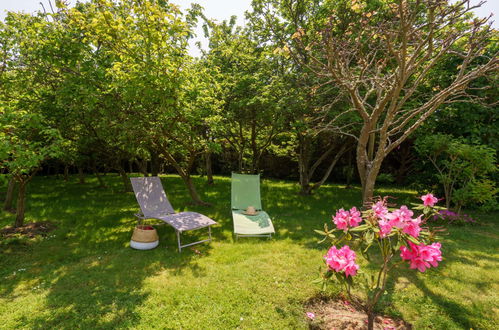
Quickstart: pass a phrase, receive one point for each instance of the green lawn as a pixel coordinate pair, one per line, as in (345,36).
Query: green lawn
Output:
(84,275)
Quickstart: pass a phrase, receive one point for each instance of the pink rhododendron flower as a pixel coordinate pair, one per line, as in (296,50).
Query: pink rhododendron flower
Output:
(384,228)
(351,269)
(429,200)
(405,213)
(402,219)
(341,219)
(421,256)
(342,260)
(412,227)
(355,218)
(380,210)
(345,219)
(399,217)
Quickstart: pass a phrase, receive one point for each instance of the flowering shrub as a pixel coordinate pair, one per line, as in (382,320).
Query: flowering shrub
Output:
(395,231)
(449,217)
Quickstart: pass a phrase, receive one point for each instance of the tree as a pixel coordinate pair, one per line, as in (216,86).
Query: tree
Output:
(26,142)
(27,138)
(306,95)
(381,55)
(251,88)
(161,98)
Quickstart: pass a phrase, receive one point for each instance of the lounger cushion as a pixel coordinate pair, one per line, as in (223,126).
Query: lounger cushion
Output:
(252,224)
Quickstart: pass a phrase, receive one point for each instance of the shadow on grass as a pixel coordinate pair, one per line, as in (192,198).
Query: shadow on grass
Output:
(89,275)
(93,279)
(448,286)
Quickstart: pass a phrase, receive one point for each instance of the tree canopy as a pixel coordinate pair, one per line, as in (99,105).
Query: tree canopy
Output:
(309,84)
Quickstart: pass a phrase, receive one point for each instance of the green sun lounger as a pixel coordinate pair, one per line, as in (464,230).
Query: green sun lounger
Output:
(245,191)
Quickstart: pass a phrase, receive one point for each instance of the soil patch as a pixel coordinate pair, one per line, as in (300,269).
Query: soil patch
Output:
(328,313)
(29,230)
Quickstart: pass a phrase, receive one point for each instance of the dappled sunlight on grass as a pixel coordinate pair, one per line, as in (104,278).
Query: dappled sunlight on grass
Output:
(84,275)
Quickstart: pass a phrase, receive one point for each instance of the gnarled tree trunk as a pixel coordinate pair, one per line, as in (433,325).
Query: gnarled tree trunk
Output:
(185,174)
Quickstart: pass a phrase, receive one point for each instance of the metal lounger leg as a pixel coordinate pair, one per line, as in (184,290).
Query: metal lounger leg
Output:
(180,246)
(178,240)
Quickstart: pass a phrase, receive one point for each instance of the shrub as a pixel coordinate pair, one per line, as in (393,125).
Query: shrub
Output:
(385,178)
(462,169)
(393,231)
(452,218)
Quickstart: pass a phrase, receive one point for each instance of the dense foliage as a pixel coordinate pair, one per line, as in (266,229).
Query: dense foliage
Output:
(110,86)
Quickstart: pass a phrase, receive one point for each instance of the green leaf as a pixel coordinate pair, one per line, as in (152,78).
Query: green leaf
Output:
(413,240)
(320,232)
(359,228)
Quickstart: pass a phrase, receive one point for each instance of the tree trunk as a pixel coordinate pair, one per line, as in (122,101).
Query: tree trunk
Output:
(447,195)
(368,168)
(240,157)
(21,204)
(66,172)
(185,174)
(304,163)
(142,165)
(81,175)
(130,166)
(127,187)
(99,177)
(370,320)
(196,199)
(9,197)
(326,175)
(154,163)
(254,147)
(209,168)
(369,180)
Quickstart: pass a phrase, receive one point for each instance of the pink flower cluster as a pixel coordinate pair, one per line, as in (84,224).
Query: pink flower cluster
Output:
(401,218)
(346,219)
(429,200)
(421,256)
(342,260)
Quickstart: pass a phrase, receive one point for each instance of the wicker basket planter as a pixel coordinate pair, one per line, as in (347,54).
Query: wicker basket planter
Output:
(144,238)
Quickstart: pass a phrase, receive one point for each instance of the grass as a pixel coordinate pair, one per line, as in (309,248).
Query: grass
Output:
(84,275)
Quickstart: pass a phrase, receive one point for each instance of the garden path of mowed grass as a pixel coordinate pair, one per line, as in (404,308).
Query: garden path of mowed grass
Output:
(84,275)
